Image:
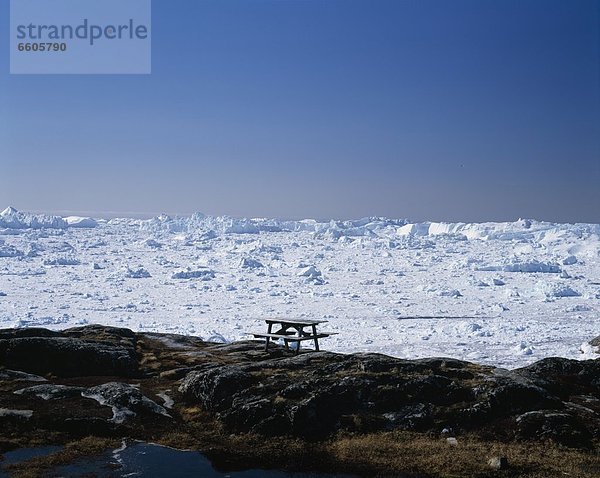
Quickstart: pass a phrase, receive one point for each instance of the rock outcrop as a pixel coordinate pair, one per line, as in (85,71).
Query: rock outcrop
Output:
(83,351)
(317,394)
(104,380)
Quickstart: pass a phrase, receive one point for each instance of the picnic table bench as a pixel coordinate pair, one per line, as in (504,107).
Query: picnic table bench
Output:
(293,330)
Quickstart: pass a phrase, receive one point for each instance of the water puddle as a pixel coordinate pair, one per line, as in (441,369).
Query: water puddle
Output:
(149,461)
(24,454)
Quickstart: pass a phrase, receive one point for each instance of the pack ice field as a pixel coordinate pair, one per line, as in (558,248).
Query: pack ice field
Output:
(505,294)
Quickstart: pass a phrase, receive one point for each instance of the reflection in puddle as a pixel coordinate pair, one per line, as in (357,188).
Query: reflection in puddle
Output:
(147,460)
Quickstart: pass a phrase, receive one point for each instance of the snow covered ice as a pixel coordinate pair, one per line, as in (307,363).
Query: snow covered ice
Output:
(505,294)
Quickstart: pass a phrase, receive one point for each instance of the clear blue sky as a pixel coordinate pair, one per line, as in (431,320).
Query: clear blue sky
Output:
(443,110)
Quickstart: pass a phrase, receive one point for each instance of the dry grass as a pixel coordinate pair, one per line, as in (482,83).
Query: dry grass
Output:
(399,454)
(38,467)
(388,454)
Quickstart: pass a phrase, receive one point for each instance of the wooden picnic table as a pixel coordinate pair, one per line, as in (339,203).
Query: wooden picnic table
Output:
(292,330)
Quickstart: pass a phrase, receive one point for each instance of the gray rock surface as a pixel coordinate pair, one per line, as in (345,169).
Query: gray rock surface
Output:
(318,394)
(41,352)
(125,400)
(51,391)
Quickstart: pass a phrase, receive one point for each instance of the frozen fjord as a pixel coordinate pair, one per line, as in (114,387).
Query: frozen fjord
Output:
(505,294)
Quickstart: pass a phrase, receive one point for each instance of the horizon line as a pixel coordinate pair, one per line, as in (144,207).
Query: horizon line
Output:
(150,215)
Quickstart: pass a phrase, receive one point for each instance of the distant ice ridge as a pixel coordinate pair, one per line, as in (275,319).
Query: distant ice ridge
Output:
(10,218)
(199,223)
(77,221)
(209,227)
(523,229)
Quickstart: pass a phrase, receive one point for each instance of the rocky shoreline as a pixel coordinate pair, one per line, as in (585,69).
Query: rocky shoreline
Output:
(111,382)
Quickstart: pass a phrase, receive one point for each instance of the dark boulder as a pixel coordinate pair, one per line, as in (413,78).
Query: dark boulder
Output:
(563,376)
(216,388)
(103,333)
(416,417)
(27,332)
(67,357)
(51,391)
(503,394)
(15,375)
(126,400)
(561,427)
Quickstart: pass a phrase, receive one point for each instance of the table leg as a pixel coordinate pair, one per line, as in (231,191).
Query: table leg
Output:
(314,331)
(299,330)
(269,329)
(283,331)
